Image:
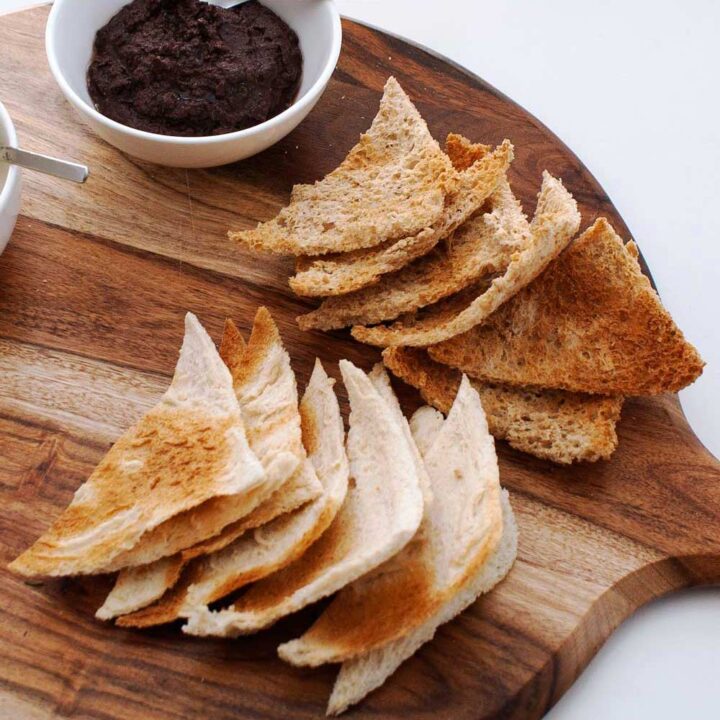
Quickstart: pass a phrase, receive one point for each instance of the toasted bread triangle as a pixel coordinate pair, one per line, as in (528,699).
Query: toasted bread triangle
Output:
(275,544)
(347,272)
(551,424)
(407,577)
(391,185)
(555,223)
(591,323)
(189,448)
(381,382)
(137,587)
(380,515)
(461,531)
(264,384)
(482,245)
(267,392)
(362,675)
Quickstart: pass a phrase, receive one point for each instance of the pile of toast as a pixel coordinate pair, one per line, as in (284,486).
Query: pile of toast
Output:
(229,483)
(428,254)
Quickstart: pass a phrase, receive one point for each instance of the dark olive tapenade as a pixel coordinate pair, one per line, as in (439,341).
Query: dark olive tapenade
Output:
(184,67)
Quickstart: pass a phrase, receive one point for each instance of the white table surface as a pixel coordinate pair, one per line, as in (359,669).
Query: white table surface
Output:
(632,88)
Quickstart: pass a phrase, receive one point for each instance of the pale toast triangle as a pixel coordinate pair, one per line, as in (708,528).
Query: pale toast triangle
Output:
(267,392)
(460,530)
(381,513)
(555,223)
(391,185)
(554,425)
(276,544)
(343,273)
(362,675)
(189,448)
(411,569)
(265,387)
(591,323)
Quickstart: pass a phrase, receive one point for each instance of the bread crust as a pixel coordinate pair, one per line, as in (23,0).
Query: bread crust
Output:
(555,223)
(553,425)
(391,185)
(591,323)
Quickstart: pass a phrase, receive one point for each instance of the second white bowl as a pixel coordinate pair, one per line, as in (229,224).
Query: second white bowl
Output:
(69,41)
(10,182)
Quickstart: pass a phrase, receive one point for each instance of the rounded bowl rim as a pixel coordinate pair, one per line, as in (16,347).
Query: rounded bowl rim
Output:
(309,97)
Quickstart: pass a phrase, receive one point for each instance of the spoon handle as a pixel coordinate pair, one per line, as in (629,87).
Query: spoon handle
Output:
(44,164)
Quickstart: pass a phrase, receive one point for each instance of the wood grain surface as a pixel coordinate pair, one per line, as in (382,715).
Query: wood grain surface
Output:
(93,288)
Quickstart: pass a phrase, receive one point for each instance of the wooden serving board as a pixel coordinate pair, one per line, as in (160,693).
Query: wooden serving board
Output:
(93,289)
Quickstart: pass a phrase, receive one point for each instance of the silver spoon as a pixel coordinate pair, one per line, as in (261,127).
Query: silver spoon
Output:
(44,164)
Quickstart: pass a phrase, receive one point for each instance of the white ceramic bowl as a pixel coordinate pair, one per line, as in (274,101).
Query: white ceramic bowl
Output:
(10,181)
(69,38)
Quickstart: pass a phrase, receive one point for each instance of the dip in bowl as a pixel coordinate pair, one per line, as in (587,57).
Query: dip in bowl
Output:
(70,37)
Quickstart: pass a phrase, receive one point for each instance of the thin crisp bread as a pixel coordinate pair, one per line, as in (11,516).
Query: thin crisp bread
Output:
(187,449)
(392,185)
(551,424)
(346,272)
(554,225)
(591,323)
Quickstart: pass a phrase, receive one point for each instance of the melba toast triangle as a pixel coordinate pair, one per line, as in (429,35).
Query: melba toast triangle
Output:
(381,513)
(554,425)
(363,674)
(481,246)
(265,387)
(555,223)
(278,543)
(346,272)
(405,580)
(392,185)
(591,323)
(187,449)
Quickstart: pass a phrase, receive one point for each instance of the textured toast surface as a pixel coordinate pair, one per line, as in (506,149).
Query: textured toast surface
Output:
(265,387)
(382,511)
(347,272)
(187,449)
(591,323)
(482,244)
(555,223)
(391,185)
(480,247)
(461,528)
(362,675)
(551,424)
(278,543)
